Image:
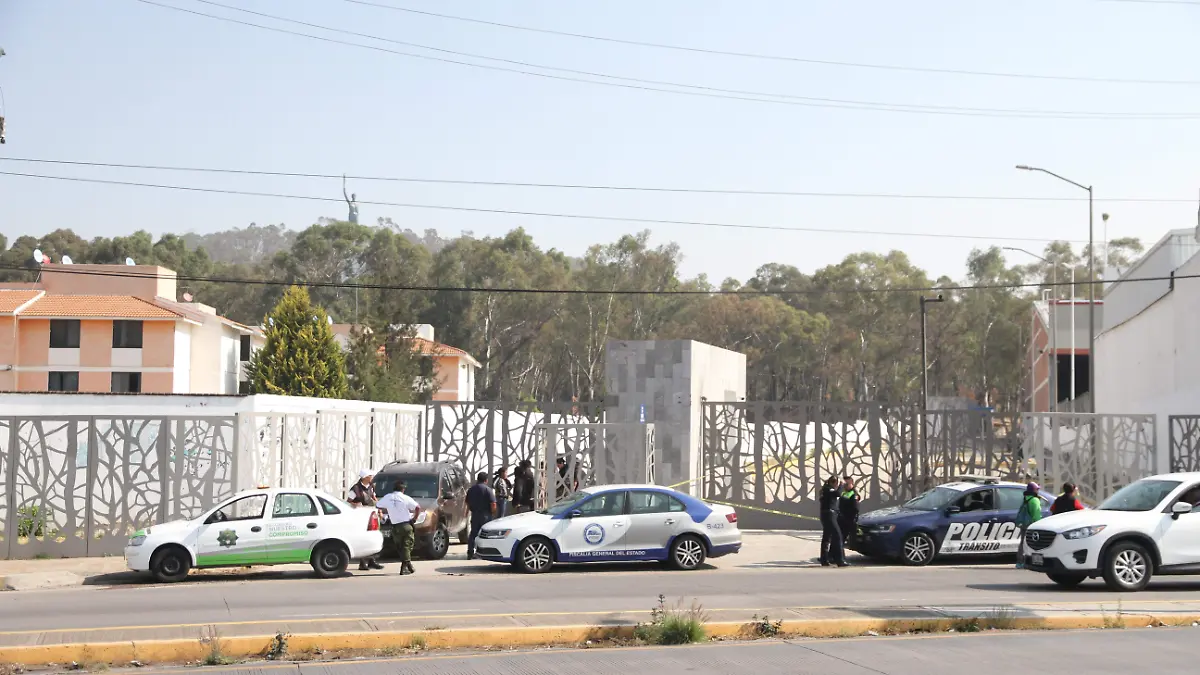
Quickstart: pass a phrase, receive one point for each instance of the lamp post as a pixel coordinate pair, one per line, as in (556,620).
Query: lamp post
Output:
(925,354)
(1091,285)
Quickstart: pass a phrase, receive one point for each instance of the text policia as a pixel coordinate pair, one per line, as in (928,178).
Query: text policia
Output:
(981,537)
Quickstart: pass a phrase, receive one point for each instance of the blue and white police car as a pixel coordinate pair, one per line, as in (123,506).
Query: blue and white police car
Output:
(613,523)
(973,515)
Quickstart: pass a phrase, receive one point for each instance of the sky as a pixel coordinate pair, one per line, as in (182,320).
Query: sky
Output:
(122,81)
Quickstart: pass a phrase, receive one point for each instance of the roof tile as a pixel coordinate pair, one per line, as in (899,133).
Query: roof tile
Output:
(97,306)
(10,300)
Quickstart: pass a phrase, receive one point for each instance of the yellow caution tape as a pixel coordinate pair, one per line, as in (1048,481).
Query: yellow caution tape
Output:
(743,507)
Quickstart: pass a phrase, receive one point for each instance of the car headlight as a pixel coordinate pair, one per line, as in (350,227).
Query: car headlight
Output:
(422,517)
(1084,532)
(137,540)
(880,529)
(494,534)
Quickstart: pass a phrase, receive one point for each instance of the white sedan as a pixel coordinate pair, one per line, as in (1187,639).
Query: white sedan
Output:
(301,526)
(610,523)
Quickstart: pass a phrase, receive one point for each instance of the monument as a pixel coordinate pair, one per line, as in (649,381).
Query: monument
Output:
(351,202)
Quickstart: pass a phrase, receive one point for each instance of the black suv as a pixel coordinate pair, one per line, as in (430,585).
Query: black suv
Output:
(441,490)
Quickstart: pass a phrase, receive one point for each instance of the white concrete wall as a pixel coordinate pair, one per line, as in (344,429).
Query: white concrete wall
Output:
(716,375)
(1151,362)
(182,383)
(205,368)
(1125,300)
(231,345)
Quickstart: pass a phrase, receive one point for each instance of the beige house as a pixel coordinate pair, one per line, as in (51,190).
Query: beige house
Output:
(453,368)
(80,328)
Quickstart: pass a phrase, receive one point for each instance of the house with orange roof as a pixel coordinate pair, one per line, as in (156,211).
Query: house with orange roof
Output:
(453,368)
(119,329)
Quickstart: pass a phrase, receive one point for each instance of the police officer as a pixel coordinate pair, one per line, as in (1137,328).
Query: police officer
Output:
(362,495)
(848,508)
(402,511)
(832,551)
(481,502)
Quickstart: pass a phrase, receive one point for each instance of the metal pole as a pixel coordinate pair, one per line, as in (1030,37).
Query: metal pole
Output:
(1073,339)
(1091,306)
(924,368)
(1054,355)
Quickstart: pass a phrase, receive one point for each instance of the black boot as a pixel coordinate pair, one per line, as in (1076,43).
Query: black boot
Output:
(374,564)
(407,568)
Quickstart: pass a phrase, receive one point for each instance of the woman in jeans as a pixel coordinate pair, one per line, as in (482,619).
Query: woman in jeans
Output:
(1030,513)
(503,489)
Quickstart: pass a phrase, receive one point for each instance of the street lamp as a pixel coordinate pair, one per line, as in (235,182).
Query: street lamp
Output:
(924,354)
(1091,285)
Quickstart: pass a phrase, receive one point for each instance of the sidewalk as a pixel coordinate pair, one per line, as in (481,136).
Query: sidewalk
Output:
(761,547)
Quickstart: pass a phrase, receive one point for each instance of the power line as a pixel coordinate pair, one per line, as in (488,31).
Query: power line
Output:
(795,59)
(618,188)
(696,90)
(543,214)
(67,269)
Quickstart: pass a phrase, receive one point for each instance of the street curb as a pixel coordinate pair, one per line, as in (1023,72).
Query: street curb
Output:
(183,650)
(33,581)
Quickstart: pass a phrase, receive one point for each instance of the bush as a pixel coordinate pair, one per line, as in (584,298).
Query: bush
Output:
(31,521)
(676,625)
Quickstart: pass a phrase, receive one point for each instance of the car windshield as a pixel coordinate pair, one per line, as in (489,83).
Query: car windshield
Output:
(564,503)
(1143,495)
(420,485)
(937,498)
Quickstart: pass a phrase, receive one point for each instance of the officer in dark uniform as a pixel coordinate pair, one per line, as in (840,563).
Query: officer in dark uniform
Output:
(832,550)
(848,508)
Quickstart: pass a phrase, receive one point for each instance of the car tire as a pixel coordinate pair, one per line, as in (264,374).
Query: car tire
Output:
(1128,567)
(918,550)
(1067,579)
(438,544)
(464,534)
(330,560)
(170,564)
(535,555)
(687,552)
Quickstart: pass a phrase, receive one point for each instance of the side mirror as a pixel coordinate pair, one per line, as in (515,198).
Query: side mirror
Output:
(1180,508)
(576,514)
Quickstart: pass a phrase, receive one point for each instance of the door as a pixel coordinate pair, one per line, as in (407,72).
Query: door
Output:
(234,534)
(1179,538)
(453,500)
(1007,532)
(294,528)
(599,530)
(971,523)
(655,518)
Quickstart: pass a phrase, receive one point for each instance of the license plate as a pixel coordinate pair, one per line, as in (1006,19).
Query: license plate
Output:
(1037,559)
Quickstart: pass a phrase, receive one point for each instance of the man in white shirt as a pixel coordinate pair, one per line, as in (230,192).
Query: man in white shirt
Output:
(402,511)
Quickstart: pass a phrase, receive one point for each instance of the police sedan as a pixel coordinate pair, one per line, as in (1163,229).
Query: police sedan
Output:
(612,523)
(970,516)
(260,527)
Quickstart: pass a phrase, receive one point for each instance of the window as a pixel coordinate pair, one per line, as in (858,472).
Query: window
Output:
(979,500)
(244,388)
(609,504)
(1143,495)
(293,505)
(246,508)
(1011,499)
(64,334)
(126,383)
(653,502)
(420,486)
(127,334)
(244,349)
(933,500)
(448,483)
(328,507)
(64,381)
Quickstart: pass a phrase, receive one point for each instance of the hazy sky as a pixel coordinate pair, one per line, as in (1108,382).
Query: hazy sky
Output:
(125,82)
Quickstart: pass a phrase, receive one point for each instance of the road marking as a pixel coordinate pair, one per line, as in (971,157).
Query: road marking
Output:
(435,611)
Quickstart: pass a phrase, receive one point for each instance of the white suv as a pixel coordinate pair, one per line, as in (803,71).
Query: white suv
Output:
(1146,528)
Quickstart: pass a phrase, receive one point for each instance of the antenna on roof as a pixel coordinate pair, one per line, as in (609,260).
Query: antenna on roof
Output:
(129,261)
(329,319)
(38,256)
(187,297)
(66,260)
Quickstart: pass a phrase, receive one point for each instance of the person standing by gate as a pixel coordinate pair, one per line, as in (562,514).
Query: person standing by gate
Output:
(523,487)
(1068,501)
(402,512)
(1030,513)
(832,551)
(503,489)
(848,509)
(362,495)
(481,502)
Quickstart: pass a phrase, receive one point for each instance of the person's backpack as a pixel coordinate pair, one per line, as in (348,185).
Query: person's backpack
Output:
(1023,517)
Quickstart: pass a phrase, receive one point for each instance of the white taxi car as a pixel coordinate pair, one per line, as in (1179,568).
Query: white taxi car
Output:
(300,526)
(611,523)
(1148,527)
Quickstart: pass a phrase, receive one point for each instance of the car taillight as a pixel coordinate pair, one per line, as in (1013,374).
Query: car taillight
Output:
(731,517)
(373,522)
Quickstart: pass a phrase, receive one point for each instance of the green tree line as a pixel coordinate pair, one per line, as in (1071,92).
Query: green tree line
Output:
(825,335)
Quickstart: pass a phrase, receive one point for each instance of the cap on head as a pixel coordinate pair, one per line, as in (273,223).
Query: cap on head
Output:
(365,473)
(1032,487)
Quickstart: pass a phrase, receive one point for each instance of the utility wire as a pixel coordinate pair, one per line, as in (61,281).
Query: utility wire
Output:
(576,186)
(69,269)
(794,59)
(692,90)
(542,214)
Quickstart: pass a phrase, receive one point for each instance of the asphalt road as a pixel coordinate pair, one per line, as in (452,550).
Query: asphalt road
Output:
(1094,653)
(457,588)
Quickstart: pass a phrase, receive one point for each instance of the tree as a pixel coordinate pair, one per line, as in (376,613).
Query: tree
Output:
(386,368)
(301,356)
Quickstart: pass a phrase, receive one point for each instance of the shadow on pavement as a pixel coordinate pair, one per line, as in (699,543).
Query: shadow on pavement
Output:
(1040,584)
(563,568)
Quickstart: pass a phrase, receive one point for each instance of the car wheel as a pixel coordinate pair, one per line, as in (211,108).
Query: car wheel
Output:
(170,564)
(918,550)
(439,544)
(1128,567)
(534,555)
(330,560)
(463,535)
(687,553)
(1068,580)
